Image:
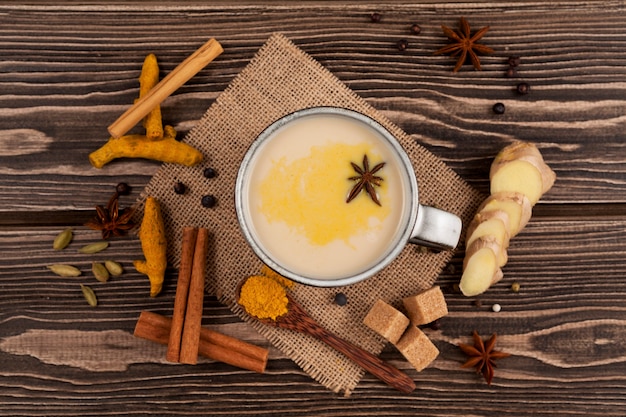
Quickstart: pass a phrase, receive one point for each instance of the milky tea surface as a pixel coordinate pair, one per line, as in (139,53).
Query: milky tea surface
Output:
(298,186)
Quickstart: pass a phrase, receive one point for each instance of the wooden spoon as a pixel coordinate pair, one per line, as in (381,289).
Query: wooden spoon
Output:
(298,320)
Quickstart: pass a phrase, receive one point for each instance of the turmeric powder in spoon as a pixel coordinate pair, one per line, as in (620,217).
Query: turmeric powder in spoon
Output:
(263,297)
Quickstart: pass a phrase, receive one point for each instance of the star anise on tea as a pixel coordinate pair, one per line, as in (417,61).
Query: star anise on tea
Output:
(366,180)
(112,220)
(482,356)
(464,44)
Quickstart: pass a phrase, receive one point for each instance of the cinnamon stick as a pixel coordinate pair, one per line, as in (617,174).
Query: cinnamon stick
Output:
(182,292)
(193,315)
(174,80)
(213,345)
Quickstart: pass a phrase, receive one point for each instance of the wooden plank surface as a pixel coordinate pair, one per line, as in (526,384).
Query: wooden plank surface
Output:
(67,70)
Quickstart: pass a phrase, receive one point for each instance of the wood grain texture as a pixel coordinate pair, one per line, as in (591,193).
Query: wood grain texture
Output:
(69,69)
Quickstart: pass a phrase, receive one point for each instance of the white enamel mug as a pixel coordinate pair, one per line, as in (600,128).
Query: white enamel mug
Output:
(414,222)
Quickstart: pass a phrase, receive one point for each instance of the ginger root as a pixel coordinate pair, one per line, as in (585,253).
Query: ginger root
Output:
(516,205)
(520,168)
(493,224)
(153,245)
(519,177)
(158,144)
(480,267)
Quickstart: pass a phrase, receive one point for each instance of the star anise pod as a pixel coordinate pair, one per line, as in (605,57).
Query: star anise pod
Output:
(482,356)
(366,180)
(111,220)
(464,44)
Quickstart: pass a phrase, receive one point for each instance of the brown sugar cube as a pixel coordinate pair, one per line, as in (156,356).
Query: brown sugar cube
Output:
(426,307)
(386,321)
(417,348)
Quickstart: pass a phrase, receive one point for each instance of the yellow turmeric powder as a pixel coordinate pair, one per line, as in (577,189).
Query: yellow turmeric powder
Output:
(147,80)
(154,246)
(263,297)
(269,272)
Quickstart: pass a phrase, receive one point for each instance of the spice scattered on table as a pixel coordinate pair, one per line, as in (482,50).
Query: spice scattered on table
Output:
(180,188)
(523,88)
(402,45)
(209,172)
(482,356)
(464,44)
(375,17)
(64,270)
(112,220)
(515,287)
(518,178)
(89,295)
(209,201)
(341,299)
(416,29)
(114,268)
(158,143)
(94,247)
(123,188)
(514,61)
(100,272)
(63,239)
(496,308)
(212,344)
(498,108)
(153,245)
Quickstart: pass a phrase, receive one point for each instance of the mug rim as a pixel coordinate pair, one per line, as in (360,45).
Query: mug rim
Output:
(245,223)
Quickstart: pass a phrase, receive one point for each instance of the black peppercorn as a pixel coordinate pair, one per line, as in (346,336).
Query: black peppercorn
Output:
(375,17)
(179,188)
(416,29)
(209,201)
(498,108)
(122,188)
(514,61)
(523,88)
(511,72)
(209,173)
(341,299)
(402,44)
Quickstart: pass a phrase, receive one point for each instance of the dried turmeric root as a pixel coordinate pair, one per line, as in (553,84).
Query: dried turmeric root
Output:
(147,80)
(153,245)
(165,149)
(158,144)
(519,177)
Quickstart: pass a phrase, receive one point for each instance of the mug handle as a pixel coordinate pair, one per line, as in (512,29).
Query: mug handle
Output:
(435,228)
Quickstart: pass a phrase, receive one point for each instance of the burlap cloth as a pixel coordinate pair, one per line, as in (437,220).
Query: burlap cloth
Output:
(280,79)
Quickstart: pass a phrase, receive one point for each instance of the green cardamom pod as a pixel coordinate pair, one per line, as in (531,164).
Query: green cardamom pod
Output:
(100,272)
(94,247)
(89,295)
(62,239)
(114,268)
(64,270)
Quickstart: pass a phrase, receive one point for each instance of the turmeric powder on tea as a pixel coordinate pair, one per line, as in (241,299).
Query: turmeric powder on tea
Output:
(263,297)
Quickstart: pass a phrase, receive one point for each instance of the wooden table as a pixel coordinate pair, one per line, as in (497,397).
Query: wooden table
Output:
(68,70)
